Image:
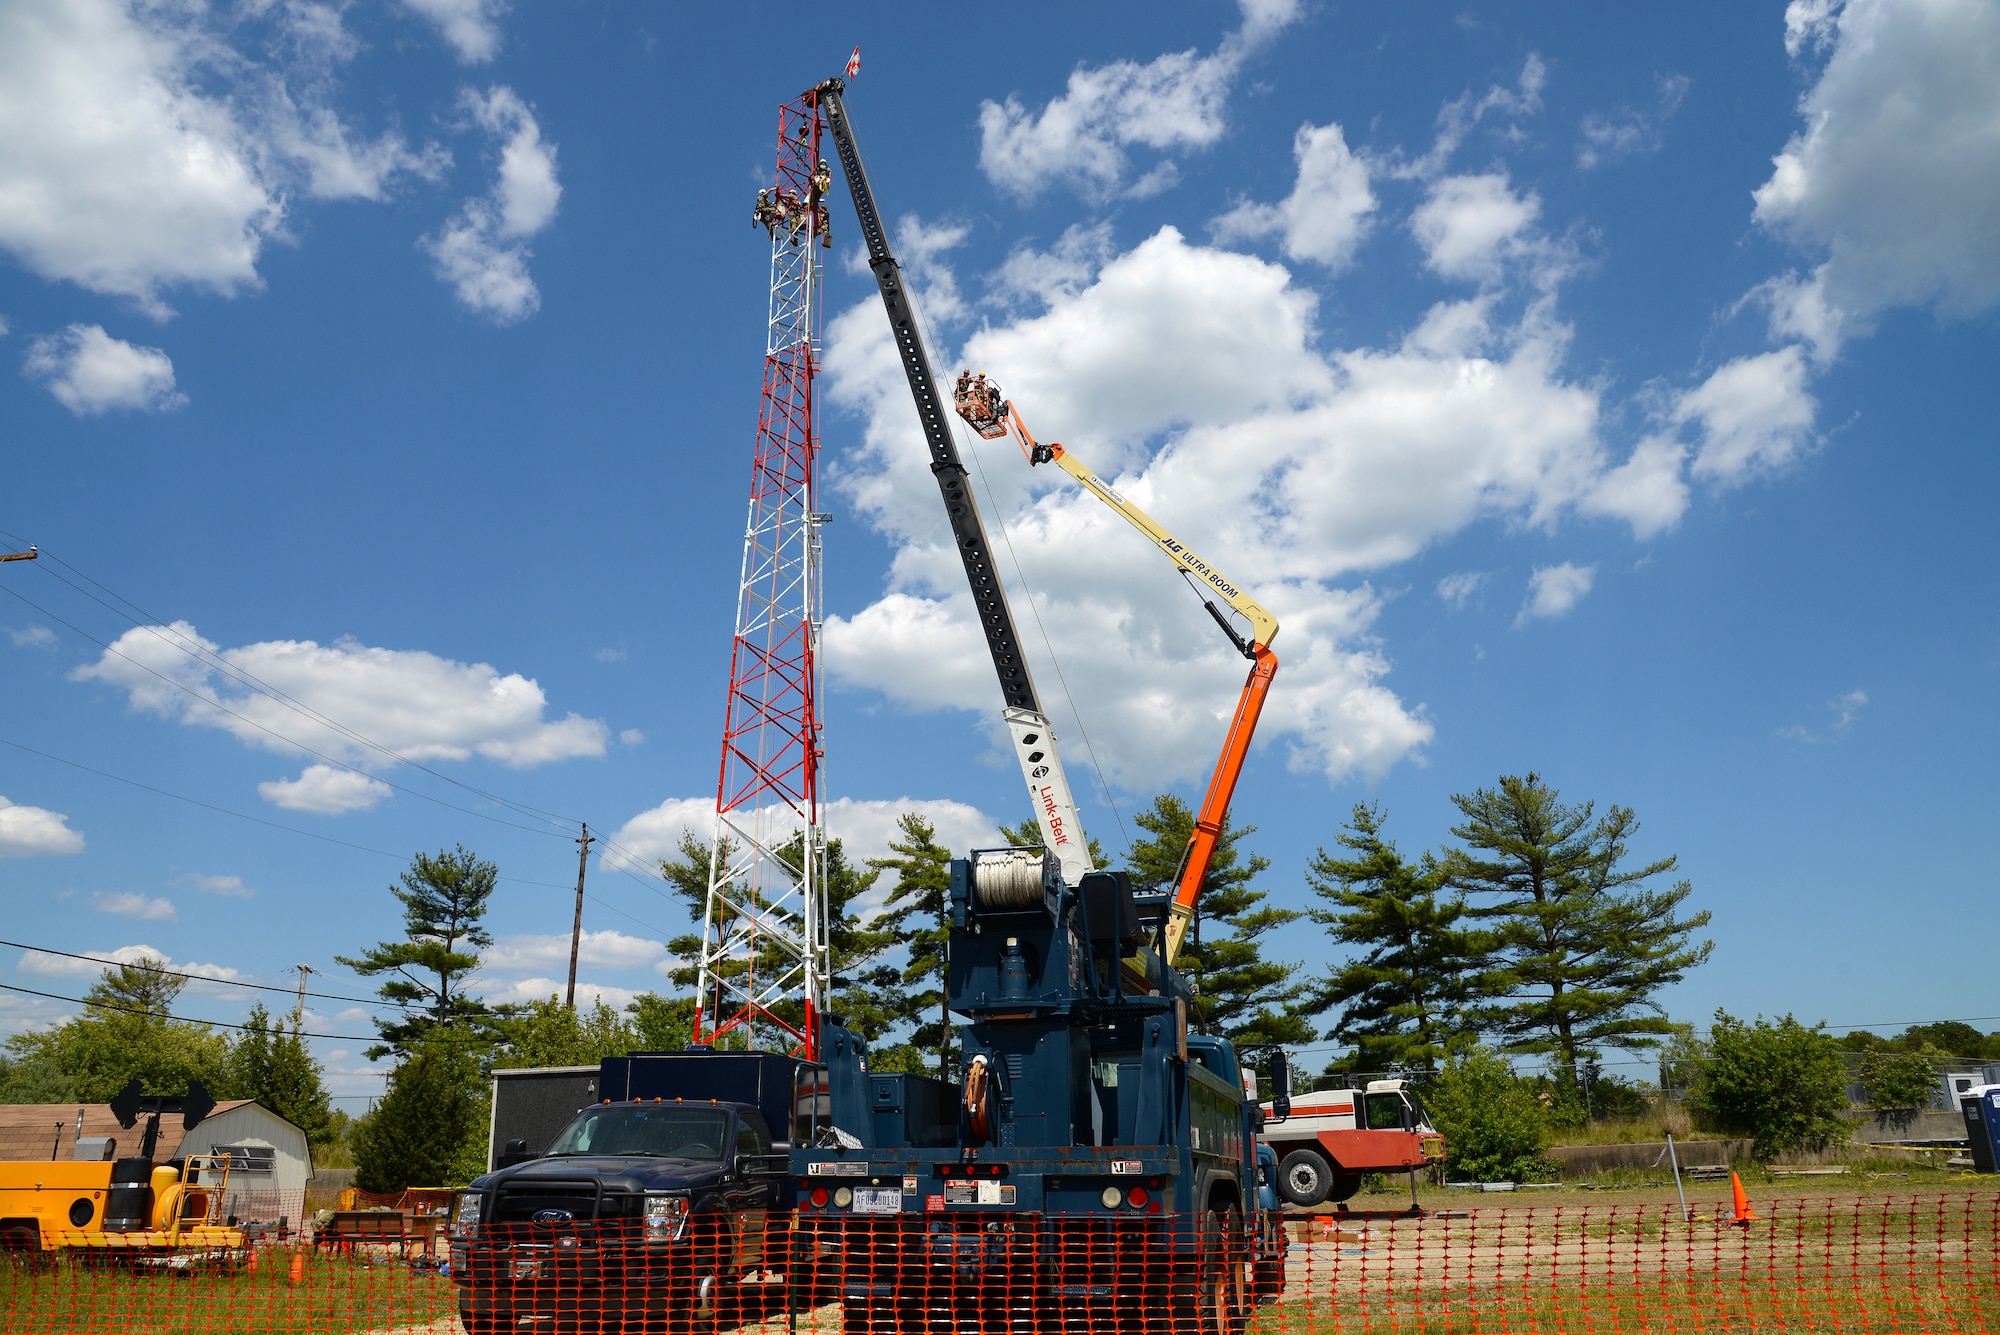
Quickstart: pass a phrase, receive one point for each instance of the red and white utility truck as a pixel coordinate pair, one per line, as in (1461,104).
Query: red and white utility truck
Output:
(1329,1138)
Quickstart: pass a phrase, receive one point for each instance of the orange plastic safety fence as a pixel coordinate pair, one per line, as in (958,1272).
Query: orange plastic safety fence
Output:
(1906,1263)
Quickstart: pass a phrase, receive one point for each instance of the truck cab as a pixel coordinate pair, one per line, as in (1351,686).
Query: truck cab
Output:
(638,1207)
(659,1197)
(1332,1137)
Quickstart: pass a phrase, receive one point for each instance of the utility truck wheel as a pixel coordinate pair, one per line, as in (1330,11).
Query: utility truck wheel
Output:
(1304,1177)
(1344,1186)
(1223,1302)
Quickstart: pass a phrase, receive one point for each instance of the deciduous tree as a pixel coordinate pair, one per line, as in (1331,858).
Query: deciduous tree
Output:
(128,1031)
(429,1130)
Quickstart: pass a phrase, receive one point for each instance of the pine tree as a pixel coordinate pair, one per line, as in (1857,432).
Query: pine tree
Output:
(429,1130)
(914,918)
(1402,996)
(859,988)
(1239,993)
(444,898)
(1579,944)
(270,1064)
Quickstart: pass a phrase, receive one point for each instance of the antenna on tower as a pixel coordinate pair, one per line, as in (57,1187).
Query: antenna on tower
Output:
(764,964)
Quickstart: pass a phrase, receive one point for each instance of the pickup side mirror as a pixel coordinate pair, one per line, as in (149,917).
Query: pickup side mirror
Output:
(1281,1085)
(513,1152)
(764,1165)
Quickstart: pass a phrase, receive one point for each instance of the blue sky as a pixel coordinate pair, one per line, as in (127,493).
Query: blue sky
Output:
(1588,390)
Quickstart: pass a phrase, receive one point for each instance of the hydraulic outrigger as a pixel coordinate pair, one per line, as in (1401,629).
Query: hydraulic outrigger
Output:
(981,404)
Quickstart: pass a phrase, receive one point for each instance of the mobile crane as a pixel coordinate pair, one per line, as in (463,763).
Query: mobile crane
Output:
(1095,1160)
(988,412)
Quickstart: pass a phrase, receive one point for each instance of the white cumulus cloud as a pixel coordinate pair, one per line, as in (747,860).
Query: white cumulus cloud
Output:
(482,251)
(1554,590)
(325,791)
(91,372)
(33,832)
(1083,138)
(471,27)
(229,886)
(148,147)
(1893,184)
(1193,379)
(1458,589)
(127,904)
(530,953)
(1326,216)
(863,825)
(1469,225)
(1754,415)
(95,962)
(418,705)
(32,637)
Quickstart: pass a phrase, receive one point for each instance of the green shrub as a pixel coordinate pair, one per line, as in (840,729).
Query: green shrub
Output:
(1493,1124)
(1781,1084)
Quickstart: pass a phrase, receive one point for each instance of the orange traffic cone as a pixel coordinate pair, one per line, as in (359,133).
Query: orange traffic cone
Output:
(298,1266)
(251,1263)
(1744,1214)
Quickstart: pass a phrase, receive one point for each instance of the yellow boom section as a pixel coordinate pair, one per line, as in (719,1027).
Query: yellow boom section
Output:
(981,404)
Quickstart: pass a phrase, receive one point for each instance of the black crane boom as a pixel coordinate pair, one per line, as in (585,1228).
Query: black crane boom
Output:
(967,530)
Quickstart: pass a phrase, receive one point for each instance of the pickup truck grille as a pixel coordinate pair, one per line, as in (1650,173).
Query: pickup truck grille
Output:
(520,1202)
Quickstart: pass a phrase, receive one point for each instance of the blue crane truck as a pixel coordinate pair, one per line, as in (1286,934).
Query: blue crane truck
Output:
(1095,1163)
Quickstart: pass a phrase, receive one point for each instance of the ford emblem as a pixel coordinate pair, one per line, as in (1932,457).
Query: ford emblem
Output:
(553,1216)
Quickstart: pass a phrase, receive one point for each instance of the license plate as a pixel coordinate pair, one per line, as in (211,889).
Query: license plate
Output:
(878,1200)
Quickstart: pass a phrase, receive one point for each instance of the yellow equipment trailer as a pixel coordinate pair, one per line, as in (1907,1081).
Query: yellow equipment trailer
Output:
(132,1206)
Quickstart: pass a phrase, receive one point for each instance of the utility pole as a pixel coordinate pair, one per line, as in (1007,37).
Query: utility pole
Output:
(576,928)
(28,555)
(299,1015)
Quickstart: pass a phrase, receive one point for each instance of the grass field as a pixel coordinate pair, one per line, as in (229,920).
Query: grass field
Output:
(1824,1254)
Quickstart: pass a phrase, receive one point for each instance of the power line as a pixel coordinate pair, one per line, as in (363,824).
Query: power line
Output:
(293,829)
(218,1024)
(194,977)
(154,625)
(216,703)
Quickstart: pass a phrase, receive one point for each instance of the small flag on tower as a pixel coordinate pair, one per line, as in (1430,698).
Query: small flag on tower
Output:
(854,63)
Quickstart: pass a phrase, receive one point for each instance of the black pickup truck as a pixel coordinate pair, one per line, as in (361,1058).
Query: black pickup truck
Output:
(650,1207)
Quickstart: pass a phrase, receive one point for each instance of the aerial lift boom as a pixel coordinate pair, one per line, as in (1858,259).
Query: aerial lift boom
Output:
(980,403)
(1034,742)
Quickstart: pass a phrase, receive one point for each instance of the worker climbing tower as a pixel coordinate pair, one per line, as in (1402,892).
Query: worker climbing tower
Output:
(763,969)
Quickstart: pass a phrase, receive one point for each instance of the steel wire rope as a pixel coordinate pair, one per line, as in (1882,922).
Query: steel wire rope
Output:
(154,625)
(930,340)
(309,834)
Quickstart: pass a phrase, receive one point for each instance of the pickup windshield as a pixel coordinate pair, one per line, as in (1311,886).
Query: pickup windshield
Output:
(667,1133)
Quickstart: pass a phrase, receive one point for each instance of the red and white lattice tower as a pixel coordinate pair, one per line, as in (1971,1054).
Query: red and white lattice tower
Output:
(763,970)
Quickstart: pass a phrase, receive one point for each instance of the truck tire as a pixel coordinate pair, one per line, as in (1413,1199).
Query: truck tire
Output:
(1223,1304)
(1305,1177)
